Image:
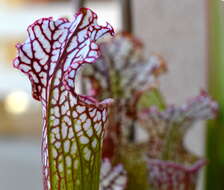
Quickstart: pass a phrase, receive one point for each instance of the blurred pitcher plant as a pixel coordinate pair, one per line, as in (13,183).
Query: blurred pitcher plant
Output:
(161,162)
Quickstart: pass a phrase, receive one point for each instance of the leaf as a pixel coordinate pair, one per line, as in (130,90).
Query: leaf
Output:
(72,123)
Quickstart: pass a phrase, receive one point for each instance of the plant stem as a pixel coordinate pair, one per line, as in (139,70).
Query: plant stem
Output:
(170,140)
(215,132)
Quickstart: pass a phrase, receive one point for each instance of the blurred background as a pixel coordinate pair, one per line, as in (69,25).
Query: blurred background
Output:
(177,30)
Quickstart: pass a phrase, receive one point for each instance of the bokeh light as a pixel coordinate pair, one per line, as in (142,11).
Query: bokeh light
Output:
(17,102)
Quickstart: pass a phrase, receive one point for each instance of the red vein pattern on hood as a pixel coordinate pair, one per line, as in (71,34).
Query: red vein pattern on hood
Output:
(72,123)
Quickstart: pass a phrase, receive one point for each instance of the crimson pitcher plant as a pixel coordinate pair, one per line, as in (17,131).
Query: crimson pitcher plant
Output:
(73,124)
